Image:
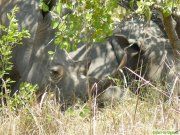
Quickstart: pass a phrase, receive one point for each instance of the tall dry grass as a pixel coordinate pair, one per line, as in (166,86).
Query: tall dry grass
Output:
(129,116)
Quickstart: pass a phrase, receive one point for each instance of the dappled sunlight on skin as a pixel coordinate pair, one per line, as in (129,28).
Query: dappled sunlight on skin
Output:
(157,59)
(32,60)
(68,104)
(141,43)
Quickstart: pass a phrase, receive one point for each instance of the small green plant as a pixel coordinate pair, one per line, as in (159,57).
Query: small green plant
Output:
(11,37)
(145,7)
(24,97)
(82,111)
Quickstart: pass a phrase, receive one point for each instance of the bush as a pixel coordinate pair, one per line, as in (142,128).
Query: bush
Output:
(10,38)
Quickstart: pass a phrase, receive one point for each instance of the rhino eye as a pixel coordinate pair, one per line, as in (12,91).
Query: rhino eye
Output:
(55,76)
(55,73)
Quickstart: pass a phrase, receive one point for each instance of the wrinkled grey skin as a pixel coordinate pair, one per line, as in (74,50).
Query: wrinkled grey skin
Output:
(31,60)
(104,58)
(63,74)
(157,60)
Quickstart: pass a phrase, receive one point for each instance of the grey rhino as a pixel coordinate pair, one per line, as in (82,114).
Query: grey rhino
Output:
(66,73)
(105,58)
(157,60)
(32,62)
(79,70)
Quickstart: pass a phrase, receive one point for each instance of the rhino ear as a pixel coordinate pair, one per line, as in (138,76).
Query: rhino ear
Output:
(131,46)
(121,40)
(57,71)
(127,43)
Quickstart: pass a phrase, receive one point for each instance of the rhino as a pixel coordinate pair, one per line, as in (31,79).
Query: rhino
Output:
(157,60)
(32,62)
(72,75)
(105,58)
(143,49)
(103,61)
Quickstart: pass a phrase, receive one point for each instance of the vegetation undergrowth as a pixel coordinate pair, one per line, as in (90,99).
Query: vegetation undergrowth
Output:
(130,115)
(150,117)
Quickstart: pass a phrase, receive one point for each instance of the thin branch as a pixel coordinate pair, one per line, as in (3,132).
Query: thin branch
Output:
(171,32)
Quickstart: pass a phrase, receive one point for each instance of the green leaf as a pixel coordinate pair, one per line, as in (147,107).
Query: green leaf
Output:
(44,7)
(147,12)
(131,3)
(55,24)
(70,111)
(59,7)
(50,52)
(167,11)
(85,112)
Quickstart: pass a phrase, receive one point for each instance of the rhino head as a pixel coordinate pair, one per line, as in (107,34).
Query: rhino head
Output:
(68,84)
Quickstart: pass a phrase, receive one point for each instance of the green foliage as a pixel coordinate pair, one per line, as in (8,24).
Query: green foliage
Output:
(91,21)
(24,97)
(11,37)
(86,111)
(167,11)
(43,6)
(145,7)
(83,112)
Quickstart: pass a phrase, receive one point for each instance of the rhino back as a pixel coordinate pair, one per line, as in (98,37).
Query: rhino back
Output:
(102,59)
(157,59)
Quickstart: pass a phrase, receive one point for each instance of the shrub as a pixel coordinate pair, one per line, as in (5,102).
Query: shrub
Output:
(11,37)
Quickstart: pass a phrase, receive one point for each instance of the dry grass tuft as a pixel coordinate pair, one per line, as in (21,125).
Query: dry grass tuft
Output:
(125,117)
